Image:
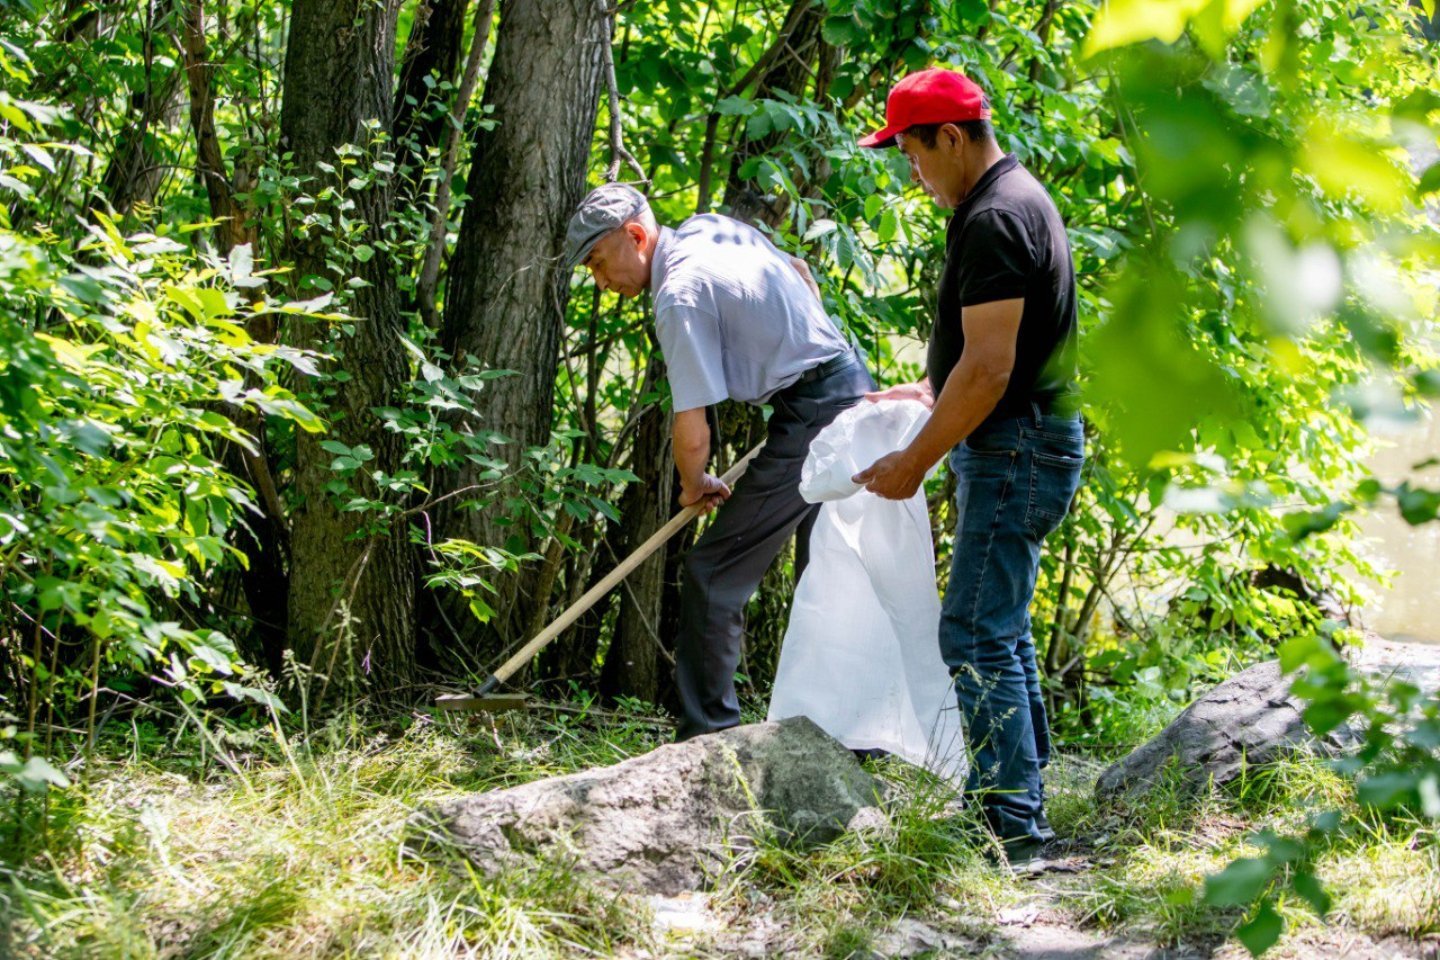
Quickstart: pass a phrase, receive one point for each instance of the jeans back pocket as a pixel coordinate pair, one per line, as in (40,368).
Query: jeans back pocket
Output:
(1054,479)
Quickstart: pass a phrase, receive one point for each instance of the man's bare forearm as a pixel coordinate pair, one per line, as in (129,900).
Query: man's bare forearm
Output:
(975,385)
(691,443)
(971,392)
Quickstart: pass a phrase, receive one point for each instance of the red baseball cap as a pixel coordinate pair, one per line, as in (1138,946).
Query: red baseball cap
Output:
(929,96)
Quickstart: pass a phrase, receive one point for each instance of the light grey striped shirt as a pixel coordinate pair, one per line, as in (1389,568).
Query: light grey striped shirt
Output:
(734,318)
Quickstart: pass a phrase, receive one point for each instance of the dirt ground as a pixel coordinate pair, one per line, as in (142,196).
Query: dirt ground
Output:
(1036,929)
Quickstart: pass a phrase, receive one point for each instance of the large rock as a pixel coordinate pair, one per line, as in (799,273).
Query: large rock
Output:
(1251,719)
(662,822)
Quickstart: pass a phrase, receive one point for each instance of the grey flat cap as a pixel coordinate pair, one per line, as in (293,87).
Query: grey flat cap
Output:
(603,209)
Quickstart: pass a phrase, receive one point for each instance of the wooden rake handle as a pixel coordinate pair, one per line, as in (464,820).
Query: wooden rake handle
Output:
(641,553)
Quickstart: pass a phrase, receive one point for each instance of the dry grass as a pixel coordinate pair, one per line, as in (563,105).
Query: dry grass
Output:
(300,854)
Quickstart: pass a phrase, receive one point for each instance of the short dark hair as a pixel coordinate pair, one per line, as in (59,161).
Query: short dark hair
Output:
(929,133)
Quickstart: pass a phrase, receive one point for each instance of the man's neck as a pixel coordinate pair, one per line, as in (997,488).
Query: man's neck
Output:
(650,256)
(982,157)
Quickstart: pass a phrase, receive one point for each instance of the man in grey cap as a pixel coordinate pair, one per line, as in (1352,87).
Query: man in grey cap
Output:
(736,319)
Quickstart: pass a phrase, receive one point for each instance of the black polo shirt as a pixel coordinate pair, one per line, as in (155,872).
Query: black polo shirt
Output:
(1006,241)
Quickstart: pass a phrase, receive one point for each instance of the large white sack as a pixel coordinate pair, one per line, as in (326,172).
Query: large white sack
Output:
(861,656)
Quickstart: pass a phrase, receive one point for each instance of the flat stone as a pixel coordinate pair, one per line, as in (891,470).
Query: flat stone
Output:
(909,937)
(1251,720)
(665,822)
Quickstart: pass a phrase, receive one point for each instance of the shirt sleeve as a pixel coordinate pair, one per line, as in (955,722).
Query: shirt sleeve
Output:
(996,259)
(689,334)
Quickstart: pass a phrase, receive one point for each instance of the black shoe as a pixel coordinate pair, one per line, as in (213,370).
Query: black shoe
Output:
(1042,824)
(870,753)
(1024,856)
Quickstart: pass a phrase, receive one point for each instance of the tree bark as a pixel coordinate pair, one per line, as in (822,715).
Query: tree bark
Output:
(135,172)
(429,280)
(507,288)
(263,538)
(352,596)
(210,160)
(433,47)
(791,72)
(633,662)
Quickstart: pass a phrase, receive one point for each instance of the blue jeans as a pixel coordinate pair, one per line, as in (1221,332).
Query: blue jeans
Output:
(1015,479)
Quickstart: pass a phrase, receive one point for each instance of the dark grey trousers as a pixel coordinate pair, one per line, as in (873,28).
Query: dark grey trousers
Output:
(726,565)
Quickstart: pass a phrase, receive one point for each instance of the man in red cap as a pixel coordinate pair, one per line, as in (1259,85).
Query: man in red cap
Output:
(1001,386)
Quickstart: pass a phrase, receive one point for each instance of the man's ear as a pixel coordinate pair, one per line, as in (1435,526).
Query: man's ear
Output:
(954,137)
(636,232)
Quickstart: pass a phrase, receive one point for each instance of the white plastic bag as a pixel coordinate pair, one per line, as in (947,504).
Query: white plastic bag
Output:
(861,655)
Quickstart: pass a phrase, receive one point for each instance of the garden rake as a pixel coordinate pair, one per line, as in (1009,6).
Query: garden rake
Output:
(485,698)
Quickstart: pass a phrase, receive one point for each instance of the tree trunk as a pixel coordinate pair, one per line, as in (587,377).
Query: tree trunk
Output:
(352,597)
(791,72)
(507,289)
(433,47)
(633,664)
(135,172)
(429,280)
(263,538)
(210,159)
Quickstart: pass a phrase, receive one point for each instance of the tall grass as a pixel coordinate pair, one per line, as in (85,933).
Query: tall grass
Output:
(295,846)
(299,852)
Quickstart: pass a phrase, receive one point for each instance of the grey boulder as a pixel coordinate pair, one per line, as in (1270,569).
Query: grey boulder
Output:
(1251,720)
(666,821)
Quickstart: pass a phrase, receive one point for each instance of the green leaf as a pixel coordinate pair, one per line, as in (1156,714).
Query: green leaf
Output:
(1123,22)
(40,155)
(760,124)
(1327,715)
(242,262)
(215,659)
(263,697)
(35,774)
(1261,931)
(310,306)
(1239,883)
(1303,523)
(1309,886)
(479,609)
(819,229)
(889,225)
(1429,180)
(842,31)
(15,115)
(1343,163)
(1387,790)
(1417,106)
(973,12)
(1418,506)
(10,183)
(1148,370)
(1302,649)
(735,107)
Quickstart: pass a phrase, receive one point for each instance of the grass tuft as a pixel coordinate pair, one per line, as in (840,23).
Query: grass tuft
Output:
(301,853)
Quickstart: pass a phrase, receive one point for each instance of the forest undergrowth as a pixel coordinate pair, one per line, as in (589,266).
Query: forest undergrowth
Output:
(264,840)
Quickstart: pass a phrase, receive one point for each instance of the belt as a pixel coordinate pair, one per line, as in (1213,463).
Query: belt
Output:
(1060,404)
(833,365)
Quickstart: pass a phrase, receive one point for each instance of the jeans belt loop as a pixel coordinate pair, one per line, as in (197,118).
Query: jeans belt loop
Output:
(1035,411)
